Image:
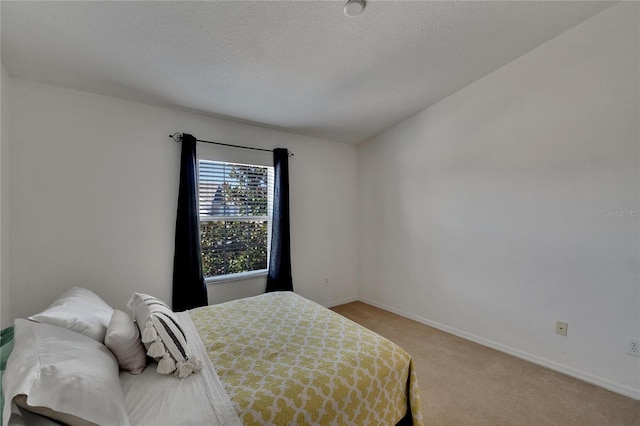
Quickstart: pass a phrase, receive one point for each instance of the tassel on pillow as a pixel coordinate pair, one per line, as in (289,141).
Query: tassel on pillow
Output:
(196,364)
(166,364)
(182,370)
(156,349)
(149,333)
(187,368)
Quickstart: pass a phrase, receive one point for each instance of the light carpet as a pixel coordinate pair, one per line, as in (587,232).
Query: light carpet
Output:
(464,383)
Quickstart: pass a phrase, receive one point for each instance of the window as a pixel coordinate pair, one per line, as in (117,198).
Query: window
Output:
(235,208)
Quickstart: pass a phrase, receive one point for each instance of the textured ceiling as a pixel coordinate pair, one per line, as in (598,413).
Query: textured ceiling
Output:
(299,66)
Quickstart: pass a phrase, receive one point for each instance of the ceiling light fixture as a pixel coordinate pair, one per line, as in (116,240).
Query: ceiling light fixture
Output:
(354,7)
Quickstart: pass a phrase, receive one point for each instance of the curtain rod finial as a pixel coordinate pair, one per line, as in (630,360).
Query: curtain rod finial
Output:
(177,136)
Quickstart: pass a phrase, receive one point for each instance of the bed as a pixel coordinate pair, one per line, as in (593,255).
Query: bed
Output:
(274,359)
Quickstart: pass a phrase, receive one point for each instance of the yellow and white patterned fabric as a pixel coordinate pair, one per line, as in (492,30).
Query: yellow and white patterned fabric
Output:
(285,360)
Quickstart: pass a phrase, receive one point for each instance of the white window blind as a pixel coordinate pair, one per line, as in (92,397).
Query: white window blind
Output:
(235,209)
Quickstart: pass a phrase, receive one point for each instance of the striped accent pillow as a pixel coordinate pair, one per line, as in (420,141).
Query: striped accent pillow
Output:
(162,336)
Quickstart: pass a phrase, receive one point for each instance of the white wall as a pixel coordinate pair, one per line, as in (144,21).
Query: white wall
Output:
(487,214)
(5,305)
(93,186)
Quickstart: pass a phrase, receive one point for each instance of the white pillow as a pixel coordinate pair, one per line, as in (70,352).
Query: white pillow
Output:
(123,339)
(63,375)
(163,336)
(80,310)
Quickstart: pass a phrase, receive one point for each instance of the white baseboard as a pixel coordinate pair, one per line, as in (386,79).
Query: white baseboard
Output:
(552,365)
(341,302)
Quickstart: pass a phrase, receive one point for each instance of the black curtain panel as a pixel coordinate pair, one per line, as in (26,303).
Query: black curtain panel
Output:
(279,277)
(189,290)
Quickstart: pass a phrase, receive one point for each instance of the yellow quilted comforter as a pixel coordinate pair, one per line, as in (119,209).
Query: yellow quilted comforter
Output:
(286,360)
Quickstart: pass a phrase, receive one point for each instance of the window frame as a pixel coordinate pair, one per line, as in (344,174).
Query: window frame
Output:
(237,276)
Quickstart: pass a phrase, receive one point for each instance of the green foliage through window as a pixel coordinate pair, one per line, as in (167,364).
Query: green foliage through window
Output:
(235,217)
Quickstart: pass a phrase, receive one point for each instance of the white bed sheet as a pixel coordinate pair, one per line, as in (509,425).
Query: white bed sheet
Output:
(200,399)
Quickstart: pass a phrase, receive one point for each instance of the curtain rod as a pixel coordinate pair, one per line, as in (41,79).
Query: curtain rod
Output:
(177,136)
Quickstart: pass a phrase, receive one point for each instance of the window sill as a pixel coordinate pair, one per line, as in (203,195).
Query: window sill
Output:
(236,277)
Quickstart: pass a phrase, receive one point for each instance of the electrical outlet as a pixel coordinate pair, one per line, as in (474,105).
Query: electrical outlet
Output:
(326,282)
(561,328)
(633,346)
